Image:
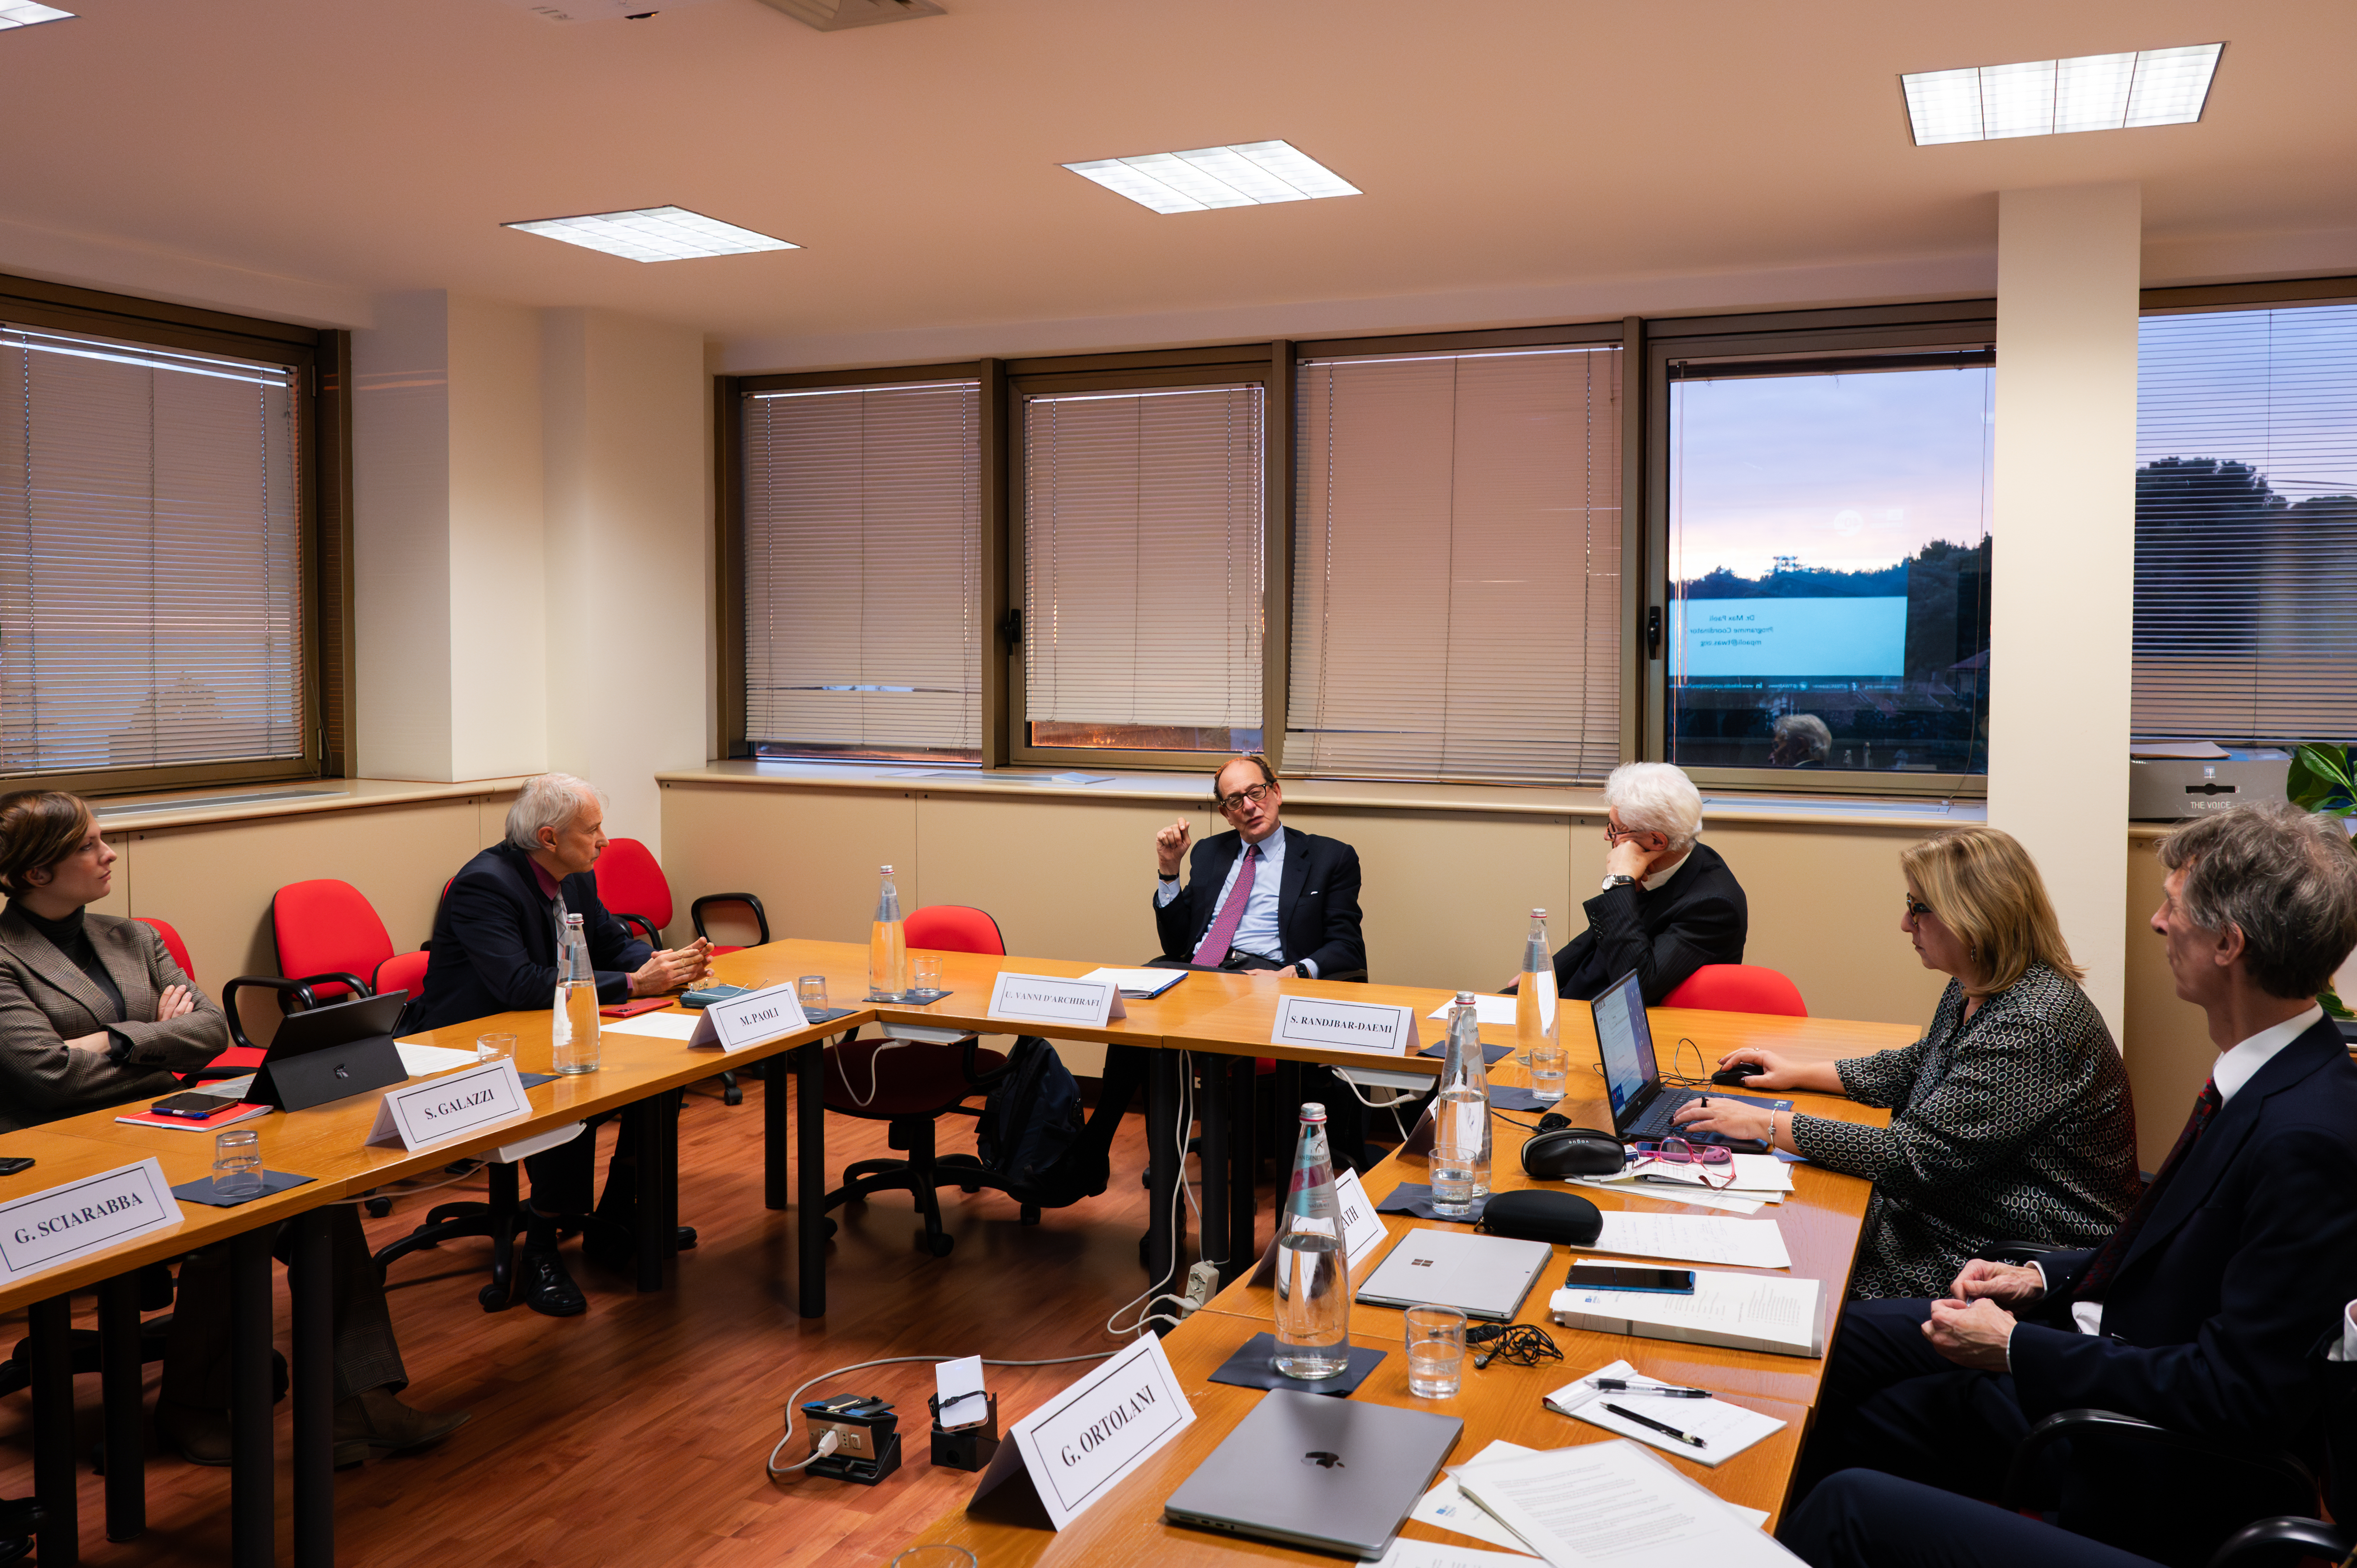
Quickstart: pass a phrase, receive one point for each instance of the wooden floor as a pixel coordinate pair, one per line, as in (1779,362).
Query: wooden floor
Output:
(636,1432)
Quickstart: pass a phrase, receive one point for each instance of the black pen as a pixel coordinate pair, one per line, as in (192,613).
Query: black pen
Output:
(1685,1437)
(1621,1386)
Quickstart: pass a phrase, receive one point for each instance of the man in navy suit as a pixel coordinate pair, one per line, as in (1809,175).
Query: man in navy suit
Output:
(2203,1312)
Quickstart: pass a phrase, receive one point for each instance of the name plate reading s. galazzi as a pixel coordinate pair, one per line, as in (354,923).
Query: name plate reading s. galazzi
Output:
(1078,1445)
(753,1019)
(47,1229)
(1055,999)
(1319,1023)
(451,1106)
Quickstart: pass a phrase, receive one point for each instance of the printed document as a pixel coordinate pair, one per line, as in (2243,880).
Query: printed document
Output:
(1693,1239)
(1613,1505)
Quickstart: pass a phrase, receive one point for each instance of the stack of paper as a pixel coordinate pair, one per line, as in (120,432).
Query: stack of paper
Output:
(1725,1428)
(1745,1312)
(1692,1239)
(1613,1505)
(1757,1179)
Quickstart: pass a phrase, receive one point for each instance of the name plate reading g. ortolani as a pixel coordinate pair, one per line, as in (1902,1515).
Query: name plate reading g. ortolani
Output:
(1056,999)
(1319,1023)
(752,1019)
(1075,1447)
(80,1217)
(451,1106)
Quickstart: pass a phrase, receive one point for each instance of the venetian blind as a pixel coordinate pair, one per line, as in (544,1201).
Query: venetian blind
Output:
(863,553)
(1457,567)
(150,557)
(2246,525)
(1142,556)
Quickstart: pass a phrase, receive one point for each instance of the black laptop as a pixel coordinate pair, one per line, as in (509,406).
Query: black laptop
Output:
(1642,1107)
(324,1053)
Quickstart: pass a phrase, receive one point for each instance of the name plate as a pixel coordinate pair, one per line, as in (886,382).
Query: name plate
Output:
(1362,1228)
(442,1109)
(1320,1024)
(1055,999)
(1076,1447)
(753,1019)
(84,1217)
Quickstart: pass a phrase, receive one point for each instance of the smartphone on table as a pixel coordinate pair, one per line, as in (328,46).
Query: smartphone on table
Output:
(193,1107)
(1629,1276)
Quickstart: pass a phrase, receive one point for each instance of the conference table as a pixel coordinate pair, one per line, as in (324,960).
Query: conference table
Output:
(1225,1019)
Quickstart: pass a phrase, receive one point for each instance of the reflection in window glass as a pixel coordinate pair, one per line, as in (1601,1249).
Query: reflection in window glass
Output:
(1828,562)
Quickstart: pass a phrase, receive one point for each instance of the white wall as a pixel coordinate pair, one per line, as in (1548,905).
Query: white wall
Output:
(2062,584)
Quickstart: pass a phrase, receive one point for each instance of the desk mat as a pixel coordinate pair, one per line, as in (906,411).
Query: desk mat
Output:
(1416,1198)
(535,1079)
(1252,1368)
(1514,1097)
(201,1189)
(1491,1055)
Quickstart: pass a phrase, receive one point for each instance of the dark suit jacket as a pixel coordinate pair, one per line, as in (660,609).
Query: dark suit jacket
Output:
(2249,1253)
(45,1000)
(1317,904)
(494,947)
(1697,917)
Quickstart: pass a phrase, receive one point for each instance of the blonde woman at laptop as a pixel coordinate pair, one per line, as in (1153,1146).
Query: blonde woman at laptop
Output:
(2010,1118)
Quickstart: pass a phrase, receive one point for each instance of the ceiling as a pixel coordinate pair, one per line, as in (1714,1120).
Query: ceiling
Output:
(1521,159)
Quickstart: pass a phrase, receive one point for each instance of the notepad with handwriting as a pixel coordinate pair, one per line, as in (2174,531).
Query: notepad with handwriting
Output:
(1782,1317)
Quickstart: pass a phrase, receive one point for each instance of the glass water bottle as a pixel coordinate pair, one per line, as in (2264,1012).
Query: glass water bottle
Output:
(572,1029)
(1461,1133)
(1313,1269)
(1538,1032)
(888,946)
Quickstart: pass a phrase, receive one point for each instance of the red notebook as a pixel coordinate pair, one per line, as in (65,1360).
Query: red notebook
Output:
(237,1110)
(631,1009)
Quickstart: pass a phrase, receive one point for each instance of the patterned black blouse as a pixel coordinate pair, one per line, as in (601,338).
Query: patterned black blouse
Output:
(2015,1125)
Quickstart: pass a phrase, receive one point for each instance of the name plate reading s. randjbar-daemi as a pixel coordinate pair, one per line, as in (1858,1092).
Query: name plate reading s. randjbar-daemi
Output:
(1319,1023)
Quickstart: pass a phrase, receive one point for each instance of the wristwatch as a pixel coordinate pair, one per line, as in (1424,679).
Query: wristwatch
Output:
(1617,881)
(1167,875)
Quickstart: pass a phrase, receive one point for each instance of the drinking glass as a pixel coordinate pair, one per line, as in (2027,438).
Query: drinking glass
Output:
(237,1165)
(928,974)
(811,991)
(1435,1351)
(1456,1177)
(1547,1063)
(493,1048)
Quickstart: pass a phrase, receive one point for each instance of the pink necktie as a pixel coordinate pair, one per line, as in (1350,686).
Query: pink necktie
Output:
(1214,950)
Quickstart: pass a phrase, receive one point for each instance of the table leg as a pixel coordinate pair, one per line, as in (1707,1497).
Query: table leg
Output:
(252,1501)
(311,1276)
(1166,1149)
(124,1378)
(1211,1097)
(506,1204)
(810,1167)
(51,1323)
(673,1105)
(1243,1178)
(646,1138)
(774,1103)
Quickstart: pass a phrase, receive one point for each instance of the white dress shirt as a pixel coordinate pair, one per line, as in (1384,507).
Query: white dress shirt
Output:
(1257,933)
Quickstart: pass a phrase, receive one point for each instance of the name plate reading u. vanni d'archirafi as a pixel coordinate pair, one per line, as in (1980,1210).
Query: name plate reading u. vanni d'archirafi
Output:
(1078,1445)
(73,1220)
(752,1019)
(451,1106)
(1056,999)
(1319,1023)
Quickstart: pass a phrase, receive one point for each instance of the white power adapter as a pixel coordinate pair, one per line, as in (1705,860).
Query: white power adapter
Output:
(1202,1285)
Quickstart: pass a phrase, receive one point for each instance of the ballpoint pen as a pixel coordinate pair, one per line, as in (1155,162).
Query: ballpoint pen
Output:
(1664,1390)
(1685,1437)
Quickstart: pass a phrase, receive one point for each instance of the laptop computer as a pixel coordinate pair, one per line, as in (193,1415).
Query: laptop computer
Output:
(1642,1106)
(1484,1276)
(1332,1475)
(328,1053)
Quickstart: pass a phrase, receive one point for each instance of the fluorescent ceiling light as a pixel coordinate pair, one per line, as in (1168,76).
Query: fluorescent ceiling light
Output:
(1249,175)
(24,13)
(654,234)
(2052,97)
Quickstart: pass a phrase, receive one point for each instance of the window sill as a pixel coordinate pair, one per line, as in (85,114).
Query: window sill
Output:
(291,798)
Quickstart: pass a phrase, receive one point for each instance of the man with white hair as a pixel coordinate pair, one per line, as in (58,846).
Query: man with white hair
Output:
(1669,904)
(495,951)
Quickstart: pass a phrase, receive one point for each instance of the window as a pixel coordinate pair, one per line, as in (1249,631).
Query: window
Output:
(1456,594)
(1828,562)
(862,552)
(2247,526)
(152,563)
(1143,567)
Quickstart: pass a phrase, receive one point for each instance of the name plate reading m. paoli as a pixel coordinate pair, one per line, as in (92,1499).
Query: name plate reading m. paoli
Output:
(81,1217)
(1079,1445)
(755,1018)
(1056,999)
(1317,1023)
(451,1106)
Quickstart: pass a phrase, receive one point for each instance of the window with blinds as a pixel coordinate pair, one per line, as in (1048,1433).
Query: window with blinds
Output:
(2247,526)
(862,571)
(151,557)
(1142,568)
(1457,566)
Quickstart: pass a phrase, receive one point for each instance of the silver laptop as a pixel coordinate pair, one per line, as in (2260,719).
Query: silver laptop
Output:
(1485,1276)
(1331,1475)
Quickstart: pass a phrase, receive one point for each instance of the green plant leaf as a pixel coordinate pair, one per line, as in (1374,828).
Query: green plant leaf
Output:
(2332,1004)
(2323,778)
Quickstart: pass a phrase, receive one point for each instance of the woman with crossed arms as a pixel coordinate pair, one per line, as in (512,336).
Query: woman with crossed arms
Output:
(2010,1118)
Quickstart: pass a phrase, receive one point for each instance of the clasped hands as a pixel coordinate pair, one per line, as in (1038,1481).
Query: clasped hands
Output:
(1970,1326)
(673,969)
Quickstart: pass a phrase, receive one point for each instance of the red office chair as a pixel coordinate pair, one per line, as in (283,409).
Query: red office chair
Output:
(234,1062)
(910,1084)
(328,936)
(632,884)
(1739,988)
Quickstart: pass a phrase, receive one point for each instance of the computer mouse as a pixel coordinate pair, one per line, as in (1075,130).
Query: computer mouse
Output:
(1737,1077)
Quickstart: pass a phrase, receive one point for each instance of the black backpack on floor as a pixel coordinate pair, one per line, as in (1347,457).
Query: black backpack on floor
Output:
(1031,1127)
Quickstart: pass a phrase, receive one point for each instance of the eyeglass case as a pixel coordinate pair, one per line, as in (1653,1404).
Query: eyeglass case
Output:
(1537,1215)
(1573,1151)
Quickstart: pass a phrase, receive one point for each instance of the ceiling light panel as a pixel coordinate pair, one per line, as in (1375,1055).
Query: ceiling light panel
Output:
(24,13)
(2056,97)
(1252,174)
(654,234)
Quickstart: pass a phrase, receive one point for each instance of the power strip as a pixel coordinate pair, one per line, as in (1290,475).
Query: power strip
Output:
(1202,1285)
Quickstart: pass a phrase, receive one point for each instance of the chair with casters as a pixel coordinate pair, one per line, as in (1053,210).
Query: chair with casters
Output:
(910,1084)
(1739,988)
(632,886)
(750,904)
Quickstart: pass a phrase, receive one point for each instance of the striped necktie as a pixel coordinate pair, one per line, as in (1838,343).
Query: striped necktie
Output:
(1222,934)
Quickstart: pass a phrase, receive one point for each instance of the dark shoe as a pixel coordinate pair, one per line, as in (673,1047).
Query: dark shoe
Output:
(375,1423)
(198,1435)
(545,1287)
(19,1519)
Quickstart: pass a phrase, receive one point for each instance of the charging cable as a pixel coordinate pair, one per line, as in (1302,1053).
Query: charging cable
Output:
(1182,1198)
(828,1440)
